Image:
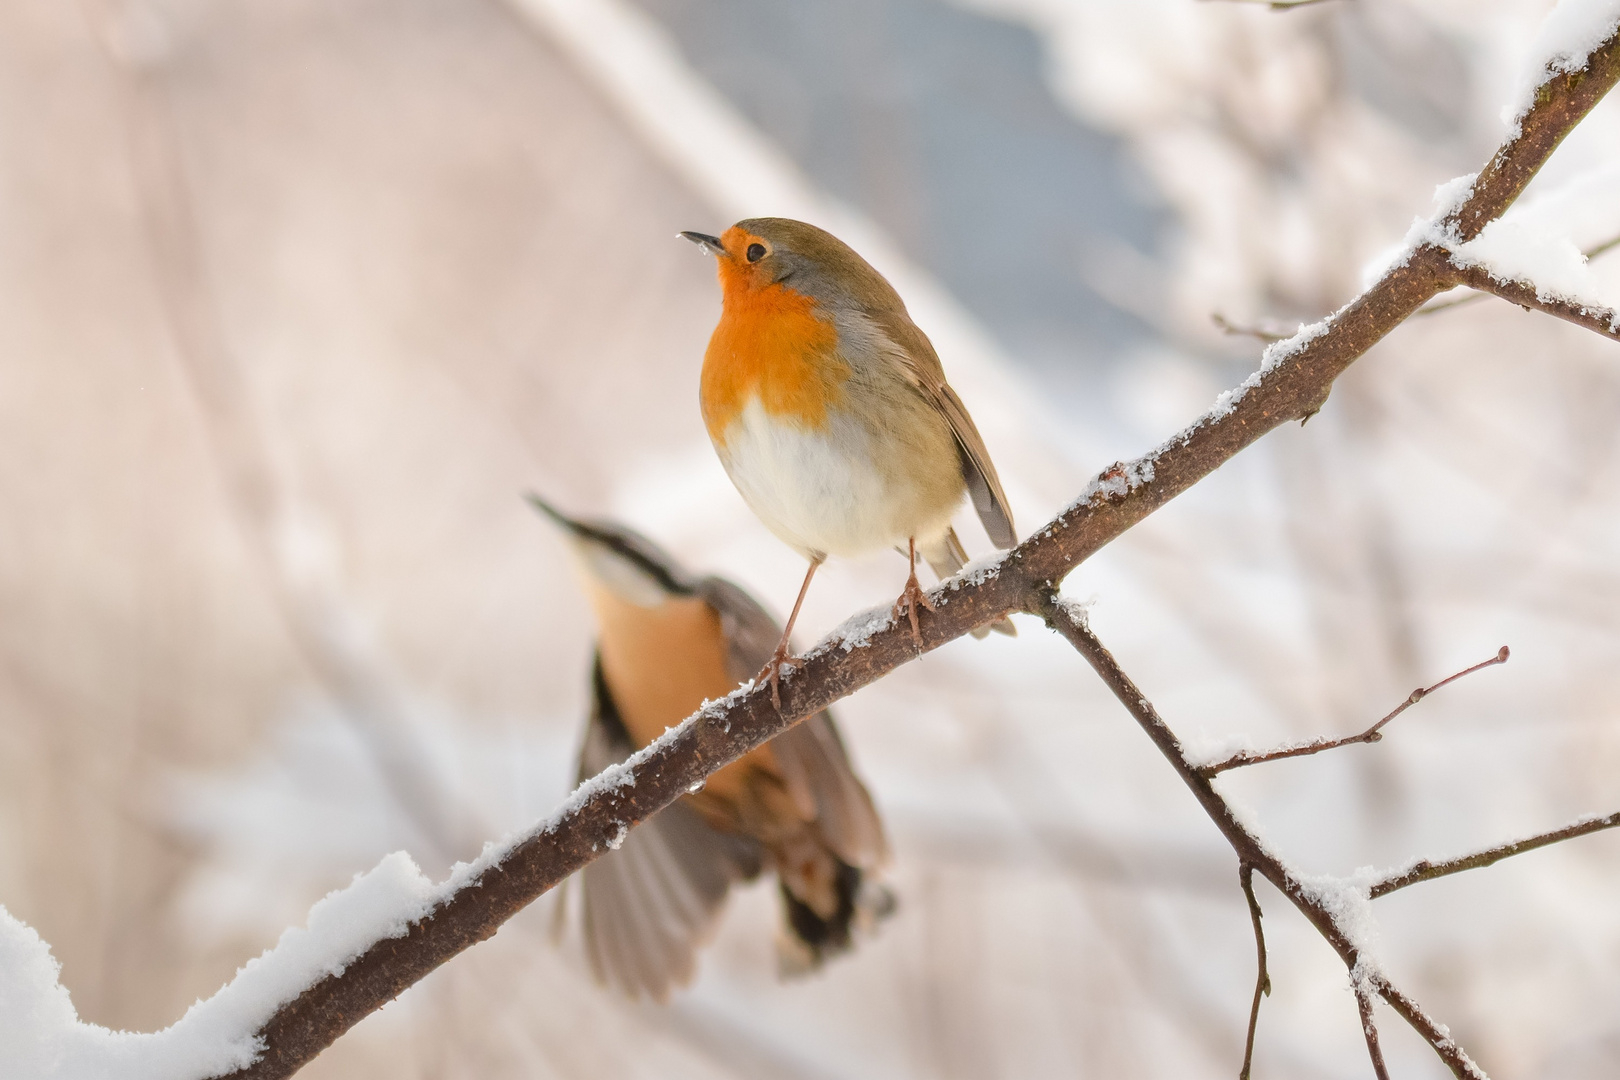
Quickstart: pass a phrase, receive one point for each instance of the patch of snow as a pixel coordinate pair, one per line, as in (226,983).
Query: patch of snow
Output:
(1349,901)
(1448,198)
(1516,251)
(1204,750)
(1518,247)
(1567,37)
(856,631)
(985,568)
(1225,402)
(1078,610)
(42,1037)
(1122,478)
(1278,351)
(619,774)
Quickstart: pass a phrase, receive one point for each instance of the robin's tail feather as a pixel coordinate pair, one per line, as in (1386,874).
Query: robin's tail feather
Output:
(810,938)
(946,556)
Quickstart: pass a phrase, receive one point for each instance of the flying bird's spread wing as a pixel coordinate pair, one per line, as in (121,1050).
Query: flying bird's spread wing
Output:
(650,905)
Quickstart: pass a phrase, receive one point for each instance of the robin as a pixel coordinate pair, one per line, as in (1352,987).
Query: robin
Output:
(831,413)
(668,642)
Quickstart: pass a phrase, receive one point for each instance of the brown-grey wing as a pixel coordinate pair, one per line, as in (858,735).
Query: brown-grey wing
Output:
(649,905)
(916,354)
(749,631)
(984,486)
(811,755)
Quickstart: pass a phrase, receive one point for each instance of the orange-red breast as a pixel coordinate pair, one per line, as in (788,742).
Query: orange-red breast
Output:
(668,641)
(830,410)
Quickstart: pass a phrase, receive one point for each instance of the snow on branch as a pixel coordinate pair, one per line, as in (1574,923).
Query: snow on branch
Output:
(368,943)
(1563,46)
(214,1037)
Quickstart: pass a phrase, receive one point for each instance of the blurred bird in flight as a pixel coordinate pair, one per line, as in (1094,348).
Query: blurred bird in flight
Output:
(830,412)
(667,642)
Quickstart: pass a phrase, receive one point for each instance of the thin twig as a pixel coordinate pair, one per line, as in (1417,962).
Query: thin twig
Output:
(1369,1028)
(1424,870)
(1262,979)
(1371,735)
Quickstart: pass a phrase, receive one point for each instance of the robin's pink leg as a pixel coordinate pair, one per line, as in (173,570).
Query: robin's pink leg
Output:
(911,596)
(772,670)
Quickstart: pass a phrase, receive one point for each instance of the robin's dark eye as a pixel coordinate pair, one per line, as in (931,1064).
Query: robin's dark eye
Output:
(755,252)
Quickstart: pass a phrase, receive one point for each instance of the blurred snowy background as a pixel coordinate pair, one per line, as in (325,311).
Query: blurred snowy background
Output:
(296,299)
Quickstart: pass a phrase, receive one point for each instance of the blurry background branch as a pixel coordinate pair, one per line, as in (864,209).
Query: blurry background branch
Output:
(1292,385)
(285,534)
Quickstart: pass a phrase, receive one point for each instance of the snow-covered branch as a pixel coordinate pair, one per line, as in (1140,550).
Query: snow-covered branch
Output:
(1528,293)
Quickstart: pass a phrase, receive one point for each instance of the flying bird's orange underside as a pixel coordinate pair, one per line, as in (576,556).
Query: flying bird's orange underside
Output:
(660,664)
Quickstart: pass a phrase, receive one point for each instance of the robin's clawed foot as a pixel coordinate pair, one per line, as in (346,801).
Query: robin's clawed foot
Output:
(772,673)
(911,597)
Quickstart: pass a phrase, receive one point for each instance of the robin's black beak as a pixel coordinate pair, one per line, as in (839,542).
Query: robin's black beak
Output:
(708,243)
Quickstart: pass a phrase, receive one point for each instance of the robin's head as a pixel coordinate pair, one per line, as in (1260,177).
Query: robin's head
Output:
(757,253)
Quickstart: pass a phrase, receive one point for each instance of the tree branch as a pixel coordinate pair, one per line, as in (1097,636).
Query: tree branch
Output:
(1461,301)
(1598,319)
(1369,1028)
(1293,383)
(1462,1066)
(1561,102)
(1424,870)
(1371,735)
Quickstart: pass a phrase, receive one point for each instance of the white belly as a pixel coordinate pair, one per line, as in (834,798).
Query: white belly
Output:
(824,492)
